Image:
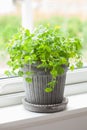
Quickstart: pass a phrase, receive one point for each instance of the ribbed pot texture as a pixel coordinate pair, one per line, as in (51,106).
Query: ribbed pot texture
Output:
(35,91)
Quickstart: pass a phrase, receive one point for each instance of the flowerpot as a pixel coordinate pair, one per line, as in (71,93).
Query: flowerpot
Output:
(36,99)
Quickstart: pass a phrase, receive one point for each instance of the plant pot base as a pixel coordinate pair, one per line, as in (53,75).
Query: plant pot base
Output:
(45,108)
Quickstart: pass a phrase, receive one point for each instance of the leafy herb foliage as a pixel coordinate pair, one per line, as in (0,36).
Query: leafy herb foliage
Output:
(48,47)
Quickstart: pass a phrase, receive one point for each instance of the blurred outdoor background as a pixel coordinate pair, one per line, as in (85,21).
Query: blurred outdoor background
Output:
(70,14)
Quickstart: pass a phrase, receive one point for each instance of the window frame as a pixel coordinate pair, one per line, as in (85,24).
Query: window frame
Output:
(13,92)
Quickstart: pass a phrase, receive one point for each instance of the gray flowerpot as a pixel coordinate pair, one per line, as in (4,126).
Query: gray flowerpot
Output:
(35,96)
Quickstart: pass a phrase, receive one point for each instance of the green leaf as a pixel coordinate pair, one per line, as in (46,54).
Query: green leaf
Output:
(79,64)
(72,67)
(27,58)
(20,73)
(48,90)
(28,73)
(29,79)
(7,73)
(9,63)
(54,73)
(60,70)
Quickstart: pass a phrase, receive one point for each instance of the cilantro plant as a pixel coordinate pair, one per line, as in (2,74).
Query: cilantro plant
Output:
(47,47)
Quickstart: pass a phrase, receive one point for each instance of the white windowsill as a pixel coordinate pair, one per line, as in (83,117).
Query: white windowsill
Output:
(17,117)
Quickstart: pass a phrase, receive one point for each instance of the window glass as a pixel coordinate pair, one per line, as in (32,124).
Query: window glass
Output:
(10,21)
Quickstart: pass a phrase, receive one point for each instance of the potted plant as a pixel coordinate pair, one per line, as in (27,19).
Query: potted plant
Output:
(42,58)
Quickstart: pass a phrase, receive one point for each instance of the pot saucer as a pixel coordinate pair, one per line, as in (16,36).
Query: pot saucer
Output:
(45,108)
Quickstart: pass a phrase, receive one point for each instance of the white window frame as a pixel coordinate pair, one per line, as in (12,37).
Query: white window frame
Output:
(15,84)
(12,89)
(27,14)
